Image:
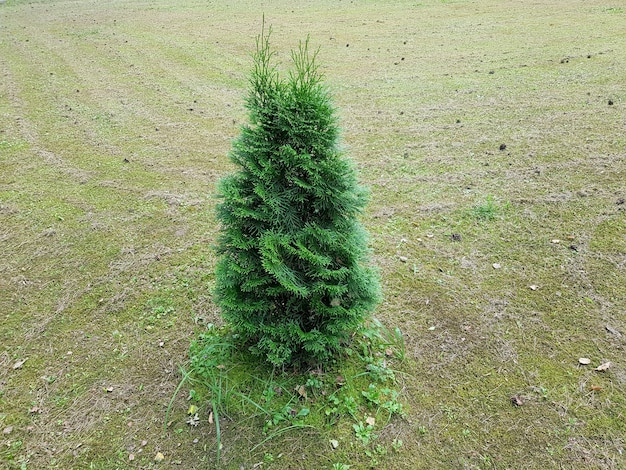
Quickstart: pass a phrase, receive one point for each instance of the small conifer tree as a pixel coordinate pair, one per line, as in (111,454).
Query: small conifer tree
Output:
(292,278)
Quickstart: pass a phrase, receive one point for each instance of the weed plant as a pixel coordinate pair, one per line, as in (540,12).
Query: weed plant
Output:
(349,404)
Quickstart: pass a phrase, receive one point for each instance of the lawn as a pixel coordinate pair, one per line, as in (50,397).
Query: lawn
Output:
(492,135)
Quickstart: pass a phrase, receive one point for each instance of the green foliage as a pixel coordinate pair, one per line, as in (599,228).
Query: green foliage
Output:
(244,390)
(292,278)
(364,432)
(340,466)
(488,210)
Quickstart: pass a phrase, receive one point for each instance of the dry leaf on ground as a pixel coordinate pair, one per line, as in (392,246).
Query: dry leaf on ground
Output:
(612,330)
(603,367)
(584,361)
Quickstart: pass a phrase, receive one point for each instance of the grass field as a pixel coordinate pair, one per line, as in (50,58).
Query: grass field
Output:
(493,137)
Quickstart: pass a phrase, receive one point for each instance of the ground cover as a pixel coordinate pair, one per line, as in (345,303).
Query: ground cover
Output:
(492,137)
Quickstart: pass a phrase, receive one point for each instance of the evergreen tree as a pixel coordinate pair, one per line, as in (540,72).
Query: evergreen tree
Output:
(292,277)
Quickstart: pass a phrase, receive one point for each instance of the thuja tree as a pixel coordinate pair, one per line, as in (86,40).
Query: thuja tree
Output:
(292,277)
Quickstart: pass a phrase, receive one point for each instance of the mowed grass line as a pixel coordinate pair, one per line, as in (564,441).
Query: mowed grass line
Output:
(106,264)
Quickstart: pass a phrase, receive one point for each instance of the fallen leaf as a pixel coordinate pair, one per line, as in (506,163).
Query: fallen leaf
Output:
(193,409)
(370,420)
(211,417)
(584,361)
(159,457)
(35,409)
(404,259)
(340,380)
(496,265)
(517,400)
(301,391)
(334,443)
(144,443)
(595,388)
(19,364)
(7,430)
(612,330)
(131,457)
(603,367)
(556,241)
